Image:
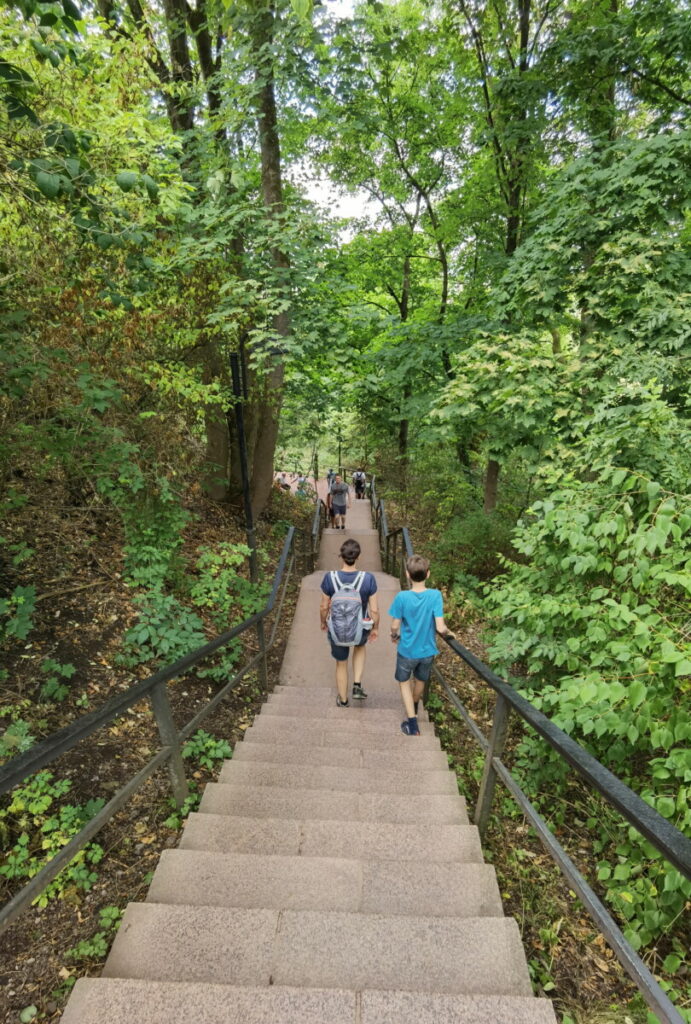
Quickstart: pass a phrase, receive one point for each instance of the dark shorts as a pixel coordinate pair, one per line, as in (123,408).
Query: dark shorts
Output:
(339,510)
(341,653)
(418,667)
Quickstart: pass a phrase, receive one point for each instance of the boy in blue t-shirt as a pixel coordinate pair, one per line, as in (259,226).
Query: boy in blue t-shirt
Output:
(417,615)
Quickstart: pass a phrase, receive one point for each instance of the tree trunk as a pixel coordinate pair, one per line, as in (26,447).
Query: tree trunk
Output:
(271,393)
(491,484)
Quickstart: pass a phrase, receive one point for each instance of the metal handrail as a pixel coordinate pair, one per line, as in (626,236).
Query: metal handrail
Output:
(48,750)
(670,841)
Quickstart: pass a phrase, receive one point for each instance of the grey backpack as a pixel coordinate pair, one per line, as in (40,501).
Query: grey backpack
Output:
(346,615)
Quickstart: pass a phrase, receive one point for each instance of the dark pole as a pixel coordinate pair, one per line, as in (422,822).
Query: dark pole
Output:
(242,445)
(340,438)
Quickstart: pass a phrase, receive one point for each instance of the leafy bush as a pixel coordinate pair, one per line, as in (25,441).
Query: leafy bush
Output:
(473,545)
(205,749)
(598,618)
(165,631)
(221,589)
(34,829)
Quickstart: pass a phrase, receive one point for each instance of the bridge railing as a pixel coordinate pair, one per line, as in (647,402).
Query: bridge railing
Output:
(155,688)
(674,846)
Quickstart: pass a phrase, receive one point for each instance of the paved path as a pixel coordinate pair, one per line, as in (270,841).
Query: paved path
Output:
(330,876)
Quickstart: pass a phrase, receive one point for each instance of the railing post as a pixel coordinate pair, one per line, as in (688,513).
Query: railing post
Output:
(497,739)
(169,738)
(263,669)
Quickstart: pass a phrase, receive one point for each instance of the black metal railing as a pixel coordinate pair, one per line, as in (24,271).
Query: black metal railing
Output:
(154,687)
(674,846)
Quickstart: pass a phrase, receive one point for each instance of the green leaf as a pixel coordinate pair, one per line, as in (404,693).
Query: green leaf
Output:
(671,963)
(127,180)
(49,184)
(670,654)
(71,10)
(27,1014)
(683,668)
(302,8)
(151,186)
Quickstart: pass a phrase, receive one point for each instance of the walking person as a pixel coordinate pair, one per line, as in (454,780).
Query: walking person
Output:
(340,501)
(418,614)
(359,483)
(349,614)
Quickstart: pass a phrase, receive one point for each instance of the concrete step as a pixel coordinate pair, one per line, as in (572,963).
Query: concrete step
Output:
(359,840)
(388,715)
(413,781)
(379,698)
(273,802)
(351,719)
(202,878)
(318,949)
(348,733)
(131,1001)
(344,757)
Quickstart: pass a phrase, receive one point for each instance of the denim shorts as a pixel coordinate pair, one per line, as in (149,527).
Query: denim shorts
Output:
(418,667)
(341,653)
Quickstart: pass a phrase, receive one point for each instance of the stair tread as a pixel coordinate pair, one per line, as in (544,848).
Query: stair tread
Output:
(275,802)
(340,757)
(402,781)
(132,1001)
(376,840)
(319,949)
(204,878)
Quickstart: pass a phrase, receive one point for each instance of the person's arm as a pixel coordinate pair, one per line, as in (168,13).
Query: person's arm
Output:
(324,610)
(395,630)
(442,628)
(373,606)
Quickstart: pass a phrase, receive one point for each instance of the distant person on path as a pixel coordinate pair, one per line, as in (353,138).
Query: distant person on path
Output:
(330,477)
(417,614)
(365,586)
(283,481)
(340,500)
(359,483)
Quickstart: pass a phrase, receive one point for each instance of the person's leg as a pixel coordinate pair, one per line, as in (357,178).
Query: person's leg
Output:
(359,659)
(407,696)
(418,690)
(342,680)
(340,656)
(404,669)
(421,674)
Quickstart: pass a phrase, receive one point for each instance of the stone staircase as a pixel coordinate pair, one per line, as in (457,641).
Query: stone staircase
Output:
(331,875)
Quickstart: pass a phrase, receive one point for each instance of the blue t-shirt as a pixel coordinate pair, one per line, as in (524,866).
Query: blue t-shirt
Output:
(368,587)
(417,610)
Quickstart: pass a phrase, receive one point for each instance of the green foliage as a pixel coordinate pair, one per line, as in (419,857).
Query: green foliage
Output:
(165,631)
(35,826)
(54,688)
(17,736)
(16,613)
(205,750)
(96,948)
(178,815)
(221,590)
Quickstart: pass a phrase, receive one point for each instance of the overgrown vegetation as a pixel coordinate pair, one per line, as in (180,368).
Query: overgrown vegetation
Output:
(502,336)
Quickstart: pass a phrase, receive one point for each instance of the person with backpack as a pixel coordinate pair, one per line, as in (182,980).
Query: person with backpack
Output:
(349,614)
(359,483)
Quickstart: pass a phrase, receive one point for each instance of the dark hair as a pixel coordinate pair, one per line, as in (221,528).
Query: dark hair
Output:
(417,567)
(350,551)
